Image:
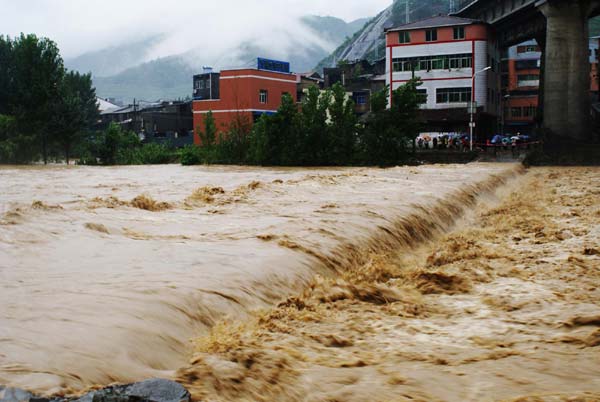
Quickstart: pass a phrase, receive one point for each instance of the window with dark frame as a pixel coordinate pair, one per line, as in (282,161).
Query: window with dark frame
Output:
(422,93)
(528,49)
(431,35)
(529,111)
(428,63)
(515,112)
(404,37)
(453,95)
(263,96)
(459,33)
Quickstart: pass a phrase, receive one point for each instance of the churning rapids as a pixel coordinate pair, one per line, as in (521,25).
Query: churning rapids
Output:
(106,274)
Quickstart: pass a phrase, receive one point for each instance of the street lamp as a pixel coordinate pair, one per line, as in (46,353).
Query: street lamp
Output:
(473,106)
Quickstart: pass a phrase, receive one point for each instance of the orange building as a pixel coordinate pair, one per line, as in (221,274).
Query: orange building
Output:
(520,84)
(239,95)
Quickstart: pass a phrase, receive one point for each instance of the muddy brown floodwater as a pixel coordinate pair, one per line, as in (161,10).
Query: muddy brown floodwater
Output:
(106,274)
(504,306)
(120,274)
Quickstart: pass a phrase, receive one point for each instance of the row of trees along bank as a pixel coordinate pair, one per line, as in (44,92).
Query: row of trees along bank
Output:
(45,110)
(323,131)
(48,112)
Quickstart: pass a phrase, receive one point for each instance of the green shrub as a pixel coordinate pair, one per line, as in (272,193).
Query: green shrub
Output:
(156,154)
(190,155)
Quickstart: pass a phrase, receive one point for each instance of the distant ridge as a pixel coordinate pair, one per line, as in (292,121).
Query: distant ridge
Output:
(124,72)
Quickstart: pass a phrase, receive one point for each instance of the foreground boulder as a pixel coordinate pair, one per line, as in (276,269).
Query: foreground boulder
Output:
(154,390)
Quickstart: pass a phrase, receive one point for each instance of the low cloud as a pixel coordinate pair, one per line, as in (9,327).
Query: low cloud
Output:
(201,29)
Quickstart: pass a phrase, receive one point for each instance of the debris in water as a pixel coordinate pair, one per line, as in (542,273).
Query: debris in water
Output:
(97,227)
(205,195)
(147,203)
(45,207)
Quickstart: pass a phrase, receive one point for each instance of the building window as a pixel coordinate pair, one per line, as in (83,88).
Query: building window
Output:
(263,96)
(528,80)
(459,33)
(403,37)
(428,63)
(529,64)
(529,111)
(361,99)
(515,112)
(528,49)
(453,95)
(431,35)
(422,94)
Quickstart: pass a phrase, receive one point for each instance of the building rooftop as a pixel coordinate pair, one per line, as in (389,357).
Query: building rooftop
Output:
(435,22)
(104,105)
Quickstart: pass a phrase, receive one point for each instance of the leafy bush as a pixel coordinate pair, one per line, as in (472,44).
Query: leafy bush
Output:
(155,154)
(191,155)
(14,146)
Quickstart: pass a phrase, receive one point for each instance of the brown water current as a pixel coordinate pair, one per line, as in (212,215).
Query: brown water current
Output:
(502,306)
(107,274)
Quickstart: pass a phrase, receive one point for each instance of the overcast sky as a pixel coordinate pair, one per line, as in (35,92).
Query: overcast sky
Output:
(79,26)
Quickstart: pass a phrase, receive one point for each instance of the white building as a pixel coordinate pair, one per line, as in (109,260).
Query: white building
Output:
(445,52)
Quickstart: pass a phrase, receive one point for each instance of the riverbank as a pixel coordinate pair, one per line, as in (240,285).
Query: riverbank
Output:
(504,307)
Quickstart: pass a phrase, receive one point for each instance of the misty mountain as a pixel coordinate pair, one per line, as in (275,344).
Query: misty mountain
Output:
(333,29)
(113,60)
(165,78)
(132,76)
(369,42)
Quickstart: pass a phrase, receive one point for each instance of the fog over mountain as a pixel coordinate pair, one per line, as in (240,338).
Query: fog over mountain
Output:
(110,37)
(134,71)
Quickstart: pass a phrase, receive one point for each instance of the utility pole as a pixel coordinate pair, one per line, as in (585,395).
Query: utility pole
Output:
(473,106)
(407,11)
(134,125)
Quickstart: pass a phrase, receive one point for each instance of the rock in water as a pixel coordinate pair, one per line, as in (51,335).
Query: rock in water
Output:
(159,390)
(14,395)
(154,390)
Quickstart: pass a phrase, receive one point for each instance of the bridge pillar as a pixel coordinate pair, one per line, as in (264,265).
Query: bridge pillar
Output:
(566,96)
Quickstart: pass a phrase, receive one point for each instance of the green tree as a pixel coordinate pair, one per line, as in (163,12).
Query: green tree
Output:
(37,73)
(74,111)
(233,146)
(115,146)
(274,139)
(314,116)
(406,102)
(6,74)
(342,127)
(390,130)
(209,135)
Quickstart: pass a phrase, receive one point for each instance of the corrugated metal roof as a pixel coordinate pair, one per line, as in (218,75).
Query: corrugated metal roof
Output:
(435,22)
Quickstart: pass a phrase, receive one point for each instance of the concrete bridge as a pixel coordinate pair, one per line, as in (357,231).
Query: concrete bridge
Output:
(561,28)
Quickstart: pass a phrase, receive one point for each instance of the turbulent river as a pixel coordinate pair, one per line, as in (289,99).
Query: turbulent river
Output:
(106,274)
